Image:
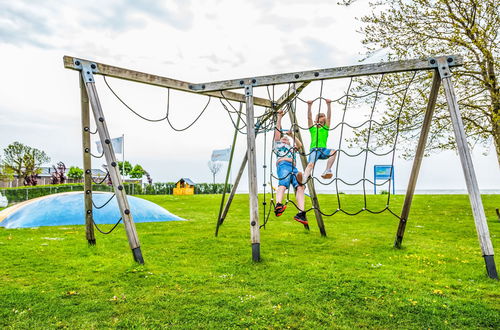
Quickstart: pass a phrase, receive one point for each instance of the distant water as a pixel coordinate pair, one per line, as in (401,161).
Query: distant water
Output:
(400,192)
(417,191)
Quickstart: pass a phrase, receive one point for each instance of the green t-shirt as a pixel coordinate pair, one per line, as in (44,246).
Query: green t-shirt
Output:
(319,136)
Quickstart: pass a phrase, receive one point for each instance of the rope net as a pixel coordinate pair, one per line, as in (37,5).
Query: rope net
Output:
(344,149)
(266,122)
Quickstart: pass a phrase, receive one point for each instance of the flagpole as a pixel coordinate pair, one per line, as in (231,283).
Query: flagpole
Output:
(230,172)
(123,155)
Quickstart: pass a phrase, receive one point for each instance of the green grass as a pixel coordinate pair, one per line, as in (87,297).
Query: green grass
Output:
(353,278)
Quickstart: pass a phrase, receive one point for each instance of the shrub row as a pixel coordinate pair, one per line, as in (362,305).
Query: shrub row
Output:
(21,194)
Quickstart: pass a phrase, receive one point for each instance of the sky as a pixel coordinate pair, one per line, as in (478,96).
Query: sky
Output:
(195,41)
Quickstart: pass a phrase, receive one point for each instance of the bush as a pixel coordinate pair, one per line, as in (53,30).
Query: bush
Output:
(15,195)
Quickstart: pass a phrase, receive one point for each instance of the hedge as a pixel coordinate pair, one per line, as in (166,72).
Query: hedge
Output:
(161,188)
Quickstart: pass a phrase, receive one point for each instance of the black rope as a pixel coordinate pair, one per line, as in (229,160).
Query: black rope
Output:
(235,125)
(340,142)
(367,150)
(103,205)
(368,137)
(107,232)
(194,121)
(397,135)
(132,110)
(97,156)
(166,117)
(104,179)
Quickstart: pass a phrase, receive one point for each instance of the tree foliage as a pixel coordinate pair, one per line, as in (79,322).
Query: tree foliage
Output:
(125,167)
(403,29)
(75,173)
(24,161)
(6,173)
(137,172)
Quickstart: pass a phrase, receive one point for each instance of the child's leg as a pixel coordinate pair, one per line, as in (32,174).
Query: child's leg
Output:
(307,172)
(280,193)
(331,160)
(313,157)
(299,195)
(284,175)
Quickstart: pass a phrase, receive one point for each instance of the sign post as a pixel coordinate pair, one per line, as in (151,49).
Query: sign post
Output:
(383,172)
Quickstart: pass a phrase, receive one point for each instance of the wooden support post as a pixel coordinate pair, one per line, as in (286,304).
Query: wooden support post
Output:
(419,155)
(109,154)
(229,165)
(310,183)
(235,187)
(468,168)
(252,175)
(87,164)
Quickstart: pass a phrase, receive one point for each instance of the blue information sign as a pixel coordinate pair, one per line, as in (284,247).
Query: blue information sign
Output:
(383,172)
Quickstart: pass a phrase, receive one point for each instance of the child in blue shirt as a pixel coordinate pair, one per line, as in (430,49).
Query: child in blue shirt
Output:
(287,172)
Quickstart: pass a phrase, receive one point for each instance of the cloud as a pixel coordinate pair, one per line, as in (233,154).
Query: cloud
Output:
(123,15)
(43,25)
(21,25)
(215,59)
(231,58)
(308,52)
(283,24)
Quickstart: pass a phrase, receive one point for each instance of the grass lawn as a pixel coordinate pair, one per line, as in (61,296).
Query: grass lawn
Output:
(353,278)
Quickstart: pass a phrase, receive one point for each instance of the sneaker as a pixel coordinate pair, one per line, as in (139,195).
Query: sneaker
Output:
(279,209)
(327,174)
(301,217)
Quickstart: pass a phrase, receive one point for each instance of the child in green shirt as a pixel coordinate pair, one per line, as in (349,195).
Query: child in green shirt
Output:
(319,135)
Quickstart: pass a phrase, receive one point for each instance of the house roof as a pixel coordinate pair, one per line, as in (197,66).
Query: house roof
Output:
(187,180)
(47,172)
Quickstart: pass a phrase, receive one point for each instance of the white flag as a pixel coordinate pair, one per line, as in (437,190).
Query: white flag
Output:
(221,155)
(117,145)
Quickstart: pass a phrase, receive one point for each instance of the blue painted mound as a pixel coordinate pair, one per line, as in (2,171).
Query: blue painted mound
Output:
(68,209)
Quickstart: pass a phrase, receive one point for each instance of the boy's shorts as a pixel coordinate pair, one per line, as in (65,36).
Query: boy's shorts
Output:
(287,173)
(319,153)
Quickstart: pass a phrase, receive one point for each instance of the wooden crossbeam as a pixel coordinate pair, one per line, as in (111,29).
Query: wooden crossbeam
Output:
(291,93)
(331,73)
(150,79)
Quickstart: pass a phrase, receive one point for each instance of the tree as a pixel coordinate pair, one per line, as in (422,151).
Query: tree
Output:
(137,172)
(58,176)
(75,173)
(24,161)
(125,167)
(149,178)
(6,174)
(214,168)
(422,28)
